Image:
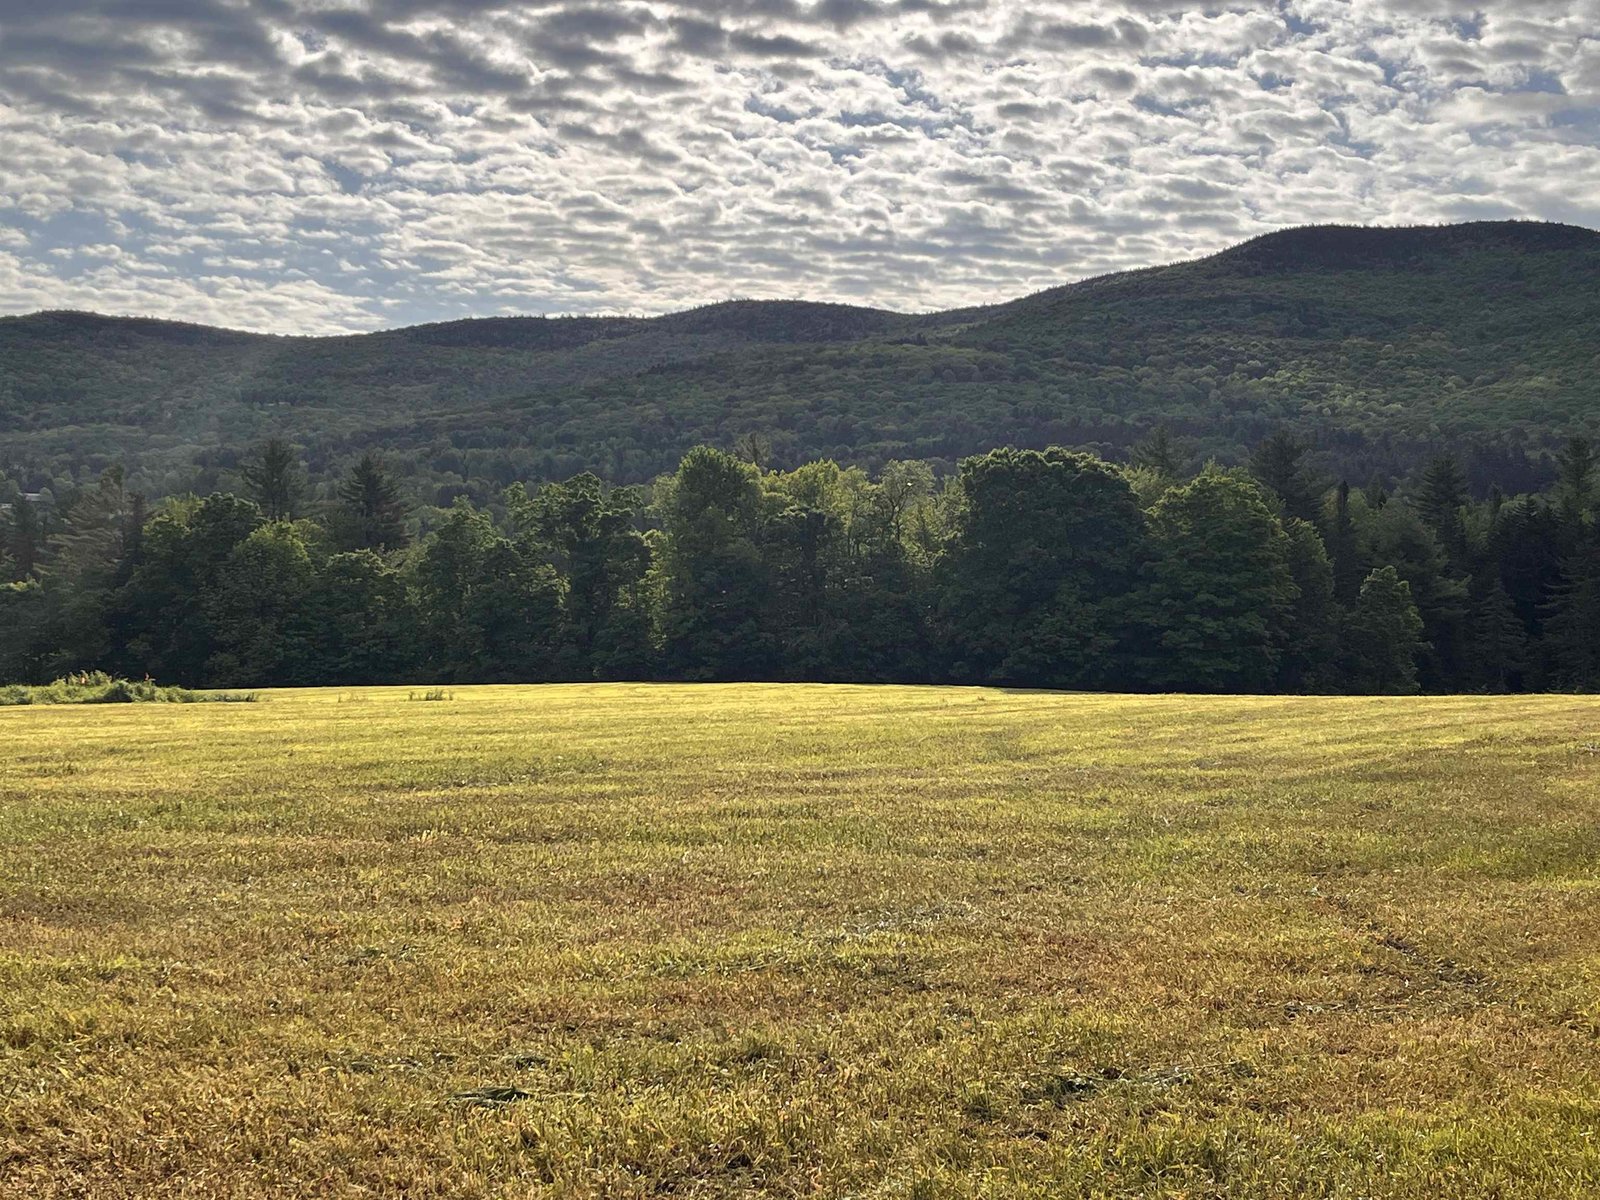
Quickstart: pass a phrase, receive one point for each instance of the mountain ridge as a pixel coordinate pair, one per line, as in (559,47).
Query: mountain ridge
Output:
(1368,339)
(1551,235)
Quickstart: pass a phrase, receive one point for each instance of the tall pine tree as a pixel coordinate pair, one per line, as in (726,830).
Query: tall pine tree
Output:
(273,479)
(372,515)
(1279,465)
(1311,645)
(1440,496)
(1573,626)
(1344,551)
(24,538)
(1499,641)
(1576,471)
(1159,451)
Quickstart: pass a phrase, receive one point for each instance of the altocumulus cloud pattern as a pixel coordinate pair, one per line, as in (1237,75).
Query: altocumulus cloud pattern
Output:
(321,165)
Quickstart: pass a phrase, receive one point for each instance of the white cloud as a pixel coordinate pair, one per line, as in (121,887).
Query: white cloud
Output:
(317,165)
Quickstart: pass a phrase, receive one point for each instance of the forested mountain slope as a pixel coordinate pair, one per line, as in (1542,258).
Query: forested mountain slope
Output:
(1374,343)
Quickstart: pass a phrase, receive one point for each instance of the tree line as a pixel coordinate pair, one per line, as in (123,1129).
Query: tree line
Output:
(1023,568)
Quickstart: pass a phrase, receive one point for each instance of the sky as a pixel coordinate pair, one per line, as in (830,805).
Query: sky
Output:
(325,166)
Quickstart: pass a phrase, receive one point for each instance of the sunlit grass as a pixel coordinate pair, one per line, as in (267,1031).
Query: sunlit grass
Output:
(706,941)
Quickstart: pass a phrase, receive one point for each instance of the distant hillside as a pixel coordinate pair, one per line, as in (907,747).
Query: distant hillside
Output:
(1378,343)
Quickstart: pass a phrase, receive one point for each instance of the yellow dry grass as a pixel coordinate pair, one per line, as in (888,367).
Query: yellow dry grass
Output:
(834,941)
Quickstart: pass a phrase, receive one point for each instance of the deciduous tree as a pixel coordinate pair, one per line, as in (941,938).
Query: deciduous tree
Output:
(1046,549)
(1384,636)
(1221,592)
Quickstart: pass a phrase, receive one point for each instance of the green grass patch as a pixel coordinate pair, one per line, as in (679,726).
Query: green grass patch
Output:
(720,941)
(96,687)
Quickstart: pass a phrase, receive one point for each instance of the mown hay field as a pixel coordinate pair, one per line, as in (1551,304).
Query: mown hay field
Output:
(796,940)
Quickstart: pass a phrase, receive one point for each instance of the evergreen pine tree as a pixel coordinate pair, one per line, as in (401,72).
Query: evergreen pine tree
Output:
(1278,464)
(1158,451)
(372,516)
(1344,551)
(1526,548)
(1440,496)
(1499,641)
(1576,468)
(273,480)
(90,543)
(133,521)
(25,538)
(1573,627)
(1311,645)
(81,571)
(1397,536)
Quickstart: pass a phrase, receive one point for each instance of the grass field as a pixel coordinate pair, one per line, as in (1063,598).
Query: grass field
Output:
(867,942)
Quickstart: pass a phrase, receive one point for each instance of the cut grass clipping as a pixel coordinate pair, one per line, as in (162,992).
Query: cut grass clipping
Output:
(629,941)
(96,687)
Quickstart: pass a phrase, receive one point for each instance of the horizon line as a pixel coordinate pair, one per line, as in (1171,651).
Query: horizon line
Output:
(731,300)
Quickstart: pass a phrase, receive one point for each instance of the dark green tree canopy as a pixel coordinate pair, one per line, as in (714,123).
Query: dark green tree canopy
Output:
(275,480)
(1036,568)
(1279,465)
(590,536)
(1045,549)
(1440,496)
(1574,617)
(715,583)
(24,538)
(1578,474)
(1384,635)
(1221,592)
(372,514)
